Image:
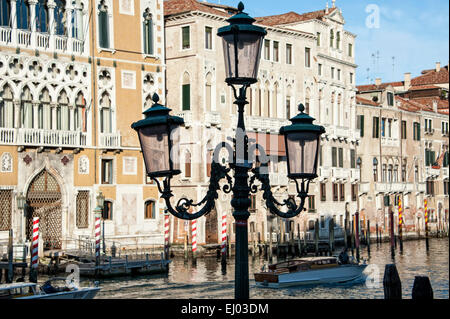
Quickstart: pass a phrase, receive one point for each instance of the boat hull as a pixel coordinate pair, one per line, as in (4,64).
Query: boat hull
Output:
(84,293)
(340,274)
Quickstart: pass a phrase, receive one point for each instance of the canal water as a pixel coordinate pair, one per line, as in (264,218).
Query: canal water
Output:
(206,280)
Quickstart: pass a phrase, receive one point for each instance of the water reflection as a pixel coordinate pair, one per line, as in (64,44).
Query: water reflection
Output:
(205,279)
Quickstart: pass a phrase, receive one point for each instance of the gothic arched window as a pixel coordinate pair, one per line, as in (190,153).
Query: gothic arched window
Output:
(41,16)
(103,25)
(60,15)
(105,114)
(6,108)
(5,13)
(26,109)
(62,112)
(23,14)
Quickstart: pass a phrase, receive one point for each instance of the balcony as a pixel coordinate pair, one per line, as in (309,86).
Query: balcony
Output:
(41,41)
(187,117)
(390,142)
(386,188)
(212,119)
(340,174)
(110,140)
(355,174)
(35,137)
(261,124)
(278,179)
(364,188)
(343,132)
(324,173)
(421,188)
(431,172)
(445,172)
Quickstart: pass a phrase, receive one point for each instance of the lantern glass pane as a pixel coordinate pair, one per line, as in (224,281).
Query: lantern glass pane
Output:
(302,149)
(175,134)
(249,54)
(155,147)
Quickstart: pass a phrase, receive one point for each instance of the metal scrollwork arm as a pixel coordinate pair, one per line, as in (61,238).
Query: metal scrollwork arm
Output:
(272,202)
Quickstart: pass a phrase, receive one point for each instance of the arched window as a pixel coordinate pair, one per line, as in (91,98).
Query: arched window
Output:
(44,110)
(80,113)
(267,100)
(333,95)
(259,102)
(339,108)
(186,92)
(288,102)
(307,97)
(62,112)
(148,32)
(208,87)
(107,210)
(338,40)
(105,114)
(41,16)
(6,108)
(23,14)
(187,164)
(331,38)
(60,16)
(275,101)
(103,25)
(26,109)
(5,13)
(150,209)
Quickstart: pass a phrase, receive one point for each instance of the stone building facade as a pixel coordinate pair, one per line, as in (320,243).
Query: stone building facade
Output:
(71,84)
(404,149)
(307,58)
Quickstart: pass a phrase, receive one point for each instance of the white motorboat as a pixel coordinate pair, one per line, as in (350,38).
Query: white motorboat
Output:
(22,290)
(309,271)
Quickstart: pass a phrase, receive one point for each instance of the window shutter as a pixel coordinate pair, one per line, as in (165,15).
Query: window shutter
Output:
(186,97)
(333,157)
(418,131)
(341,157)
(361,124)
(103,29)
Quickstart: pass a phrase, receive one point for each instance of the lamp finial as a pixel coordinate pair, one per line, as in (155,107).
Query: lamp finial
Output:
(240,6)
(155,98)
(301,108)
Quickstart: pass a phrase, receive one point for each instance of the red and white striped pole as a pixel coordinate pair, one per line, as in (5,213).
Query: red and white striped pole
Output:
(166,234)
(97,237)
(194,237)
(35,247)
(224,238)
(425,204)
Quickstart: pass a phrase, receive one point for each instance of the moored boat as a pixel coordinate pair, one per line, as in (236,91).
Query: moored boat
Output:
(48,290)
(309,271)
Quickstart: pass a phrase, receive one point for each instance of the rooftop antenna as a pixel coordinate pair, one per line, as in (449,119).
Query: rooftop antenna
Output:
(326,8)
(334,3)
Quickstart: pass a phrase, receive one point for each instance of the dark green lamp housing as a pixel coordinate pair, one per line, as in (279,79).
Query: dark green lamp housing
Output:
(159,138)
(242,44)
(302,140)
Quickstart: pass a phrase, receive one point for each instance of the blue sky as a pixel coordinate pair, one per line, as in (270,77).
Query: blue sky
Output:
(415,32)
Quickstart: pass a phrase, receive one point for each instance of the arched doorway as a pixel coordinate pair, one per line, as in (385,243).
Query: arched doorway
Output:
(44,201)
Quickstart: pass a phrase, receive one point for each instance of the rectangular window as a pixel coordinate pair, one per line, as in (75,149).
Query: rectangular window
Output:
(288,107)
(430,188)
(252,207)
(339,74)
(404,130)
(148,36)
(342,192)
(208,38)
(276,56)
(446,185)
(82,215)
(267,50)
(103,29)
(341,157)
(307,57)
(107,171)
(352,159)
(334,157)
(390,98)
(335,192)
(311,202)
(332,73)
(350,49)
(383,127)
(288,53)
(351,78)
(319,69)
(360,124)
(5,209)
(323,192)
(416,131)
(186,97)
(354,192)
(107,210)
(376,127)
(186,37)
(318,39)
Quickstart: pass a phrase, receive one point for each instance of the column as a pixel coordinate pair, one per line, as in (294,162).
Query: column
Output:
(32,4)
(14,23)
(71,124)
(35,114)
(53,117)
(17,114)
(51,23)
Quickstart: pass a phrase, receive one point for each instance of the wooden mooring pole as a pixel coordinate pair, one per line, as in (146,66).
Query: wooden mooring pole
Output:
(270,244)
(376,230)
(300,252)
(10,277)
(331,236)
(357,235)
(422,288)
(316,237)
(391,283)
(391,230)
(368,237)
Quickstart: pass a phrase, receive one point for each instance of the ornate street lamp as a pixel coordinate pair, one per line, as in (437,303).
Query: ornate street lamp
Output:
(20,201)
(159,138)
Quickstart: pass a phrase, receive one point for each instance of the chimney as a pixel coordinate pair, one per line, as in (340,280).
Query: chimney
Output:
(407,81)
(438,66)
(378,81)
